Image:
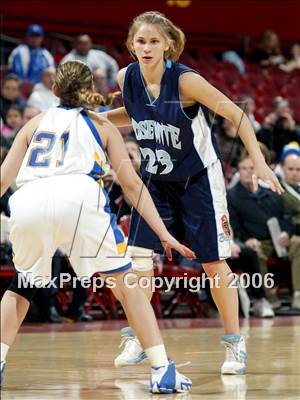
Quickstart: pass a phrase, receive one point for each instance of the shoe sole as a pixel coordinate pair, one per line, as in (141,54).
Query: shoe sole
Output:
(168,391)
(241,371)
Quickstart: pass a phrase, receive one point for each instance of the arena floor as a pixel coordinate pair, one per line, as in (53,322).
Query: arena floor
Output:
(75,361)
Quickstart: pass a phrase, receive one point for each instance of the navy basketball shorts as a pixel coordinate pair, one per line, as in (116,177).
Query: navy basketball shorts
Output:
(193,210)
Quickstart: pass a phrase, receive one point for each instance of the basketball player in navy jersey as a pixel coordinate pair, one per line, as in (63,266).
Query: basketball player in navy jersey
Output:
(167,104)
(59,158)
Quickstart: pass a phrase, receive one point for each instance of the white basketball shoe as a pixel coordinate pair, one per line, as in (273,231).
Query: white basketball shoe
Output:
(133,352)
(167,379)
(235,356)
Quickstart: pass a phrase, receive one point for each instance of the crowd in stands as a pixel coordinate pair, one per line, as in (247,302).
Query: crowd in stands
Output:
(265,84)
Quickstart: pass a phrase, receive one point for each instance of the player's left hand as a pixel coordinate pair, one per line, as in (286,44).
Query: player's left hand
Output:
(263,171)
(169,242)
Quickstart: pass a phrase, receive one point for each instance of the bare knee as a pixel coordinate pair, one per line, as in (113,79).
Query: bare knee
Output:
(13,296)
(125,285)
(215,267)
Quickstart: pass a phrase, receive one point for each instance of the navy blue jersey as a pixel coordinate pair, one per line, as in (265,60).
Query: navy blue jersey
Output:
(175,142)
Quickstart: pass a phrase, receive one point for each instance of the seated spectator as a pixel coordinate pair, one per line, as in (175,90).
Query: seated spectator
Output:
(14,121)
(280,107)
(28,60)
(291,183)
(268,51)
(294,61)
(93,58)
(290,148)
(249,212)
(10,94)
(29,112)
(247,103)
(42,96)
(279,127)
(267,155)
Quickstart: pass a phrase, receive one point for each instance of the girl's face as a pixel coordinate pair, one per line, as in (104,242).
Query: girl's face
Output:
(14,119)
(149,44)
(11,90)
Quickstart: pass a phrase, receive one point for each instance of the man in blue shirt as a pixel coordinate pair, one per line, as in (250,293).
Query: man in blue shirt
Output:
(28,60)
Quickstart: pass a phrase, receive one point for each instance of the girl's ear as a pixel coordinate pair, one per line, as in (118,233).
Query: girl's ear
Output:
(167,46)
(55,90)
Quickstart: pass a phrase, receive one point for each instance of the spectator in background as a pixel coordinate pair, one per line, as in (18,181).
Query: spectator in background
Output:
(291,182)
(246,102)
(294,61)
(101,86)
(42,96)
(28,60)
(10,94)
(29,112)
(268,51)
(249,212)
(279,127)
(93,58)
(267,155)
(14,121)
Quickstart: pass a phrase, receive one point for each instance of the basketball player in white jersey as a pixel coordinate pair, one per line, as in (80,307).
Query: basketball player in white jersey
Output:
(59,158)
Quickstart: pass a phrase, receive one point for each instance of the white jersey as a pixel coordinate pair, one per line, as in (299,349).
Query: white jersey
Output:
(65,142)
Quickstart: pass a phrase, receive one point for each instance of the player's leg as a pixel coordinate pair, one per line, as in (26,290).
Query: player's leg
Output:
(140,315)
(99,246)
(226,300)
(142,241)
(208,232)
(221,289)
(132,350)
(32,261)
(14,306)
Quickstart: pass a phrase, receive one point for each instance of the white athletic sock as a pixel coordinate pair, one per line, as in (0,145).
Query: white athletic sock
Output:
(157,356)
(4,350)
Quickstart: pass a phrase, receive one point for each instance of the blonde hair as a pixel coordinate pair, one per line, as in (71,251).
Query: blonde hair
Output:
(171,32)
(74,81)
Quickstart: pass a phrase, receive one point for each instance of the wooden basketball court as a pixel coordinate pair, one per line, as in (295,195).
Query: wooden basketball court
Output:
(75,361)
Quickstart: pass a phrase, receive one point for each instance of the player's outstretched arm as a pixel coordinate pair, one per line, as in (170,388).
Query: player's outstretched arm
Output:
(119,116)
(136,191)
(13,161)
(195,88)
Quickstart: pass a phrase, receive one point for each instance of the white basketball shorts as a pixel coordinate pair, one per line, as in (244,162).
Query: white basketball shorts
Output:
(69,212)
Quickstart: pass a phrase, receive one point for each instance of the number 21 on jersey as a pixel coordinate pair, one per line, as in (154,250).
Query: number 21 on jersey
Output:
(43,143)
